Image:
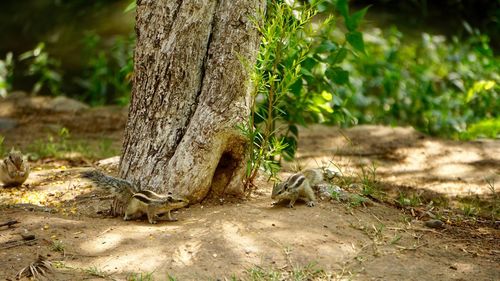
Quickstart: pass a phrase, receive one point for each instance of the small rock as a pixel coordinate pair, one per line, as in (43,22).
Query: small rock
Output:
(7,124)
(28,236)
(65,104)
(434,224)
(355,186)
(109,163)
(331,173)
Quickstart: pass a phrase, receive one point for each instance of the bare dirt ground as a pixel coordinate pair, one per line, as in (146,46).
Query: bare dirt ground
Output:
(402,179)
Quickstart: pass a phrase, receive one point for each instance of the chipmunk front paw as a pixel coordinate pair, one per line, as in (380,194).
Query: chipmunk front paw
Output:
(310,204)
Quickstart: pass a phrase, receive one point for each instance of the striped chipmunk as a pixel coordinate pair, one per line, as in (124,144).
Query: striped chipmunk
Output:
(14,169)
(298,186)
(137,202)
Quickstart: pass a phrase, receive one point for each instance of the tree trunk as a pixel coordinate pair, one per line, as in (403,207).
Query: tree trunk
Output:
(190,91)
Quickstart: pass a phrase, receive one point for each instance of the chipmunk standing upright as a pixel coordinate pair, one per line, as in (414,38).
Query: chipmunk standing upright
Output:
(298,186)
(137,203)
(14,170)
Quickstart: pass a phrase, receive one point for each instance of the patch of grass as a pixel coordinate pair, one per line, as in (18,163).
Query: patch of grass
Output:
(357,200)
(486,206)
(148,276)
(63,146)
(58,246)
(258,273)
(368,177)
(395,239)
(469,210)
(495,209)
(300,273)
(408,200)
(94,271)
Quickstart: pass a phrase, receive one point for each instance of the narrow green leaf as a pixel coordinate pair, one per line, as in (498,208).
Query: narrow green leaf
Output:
(326,46)
(355,19)
(338,56)
(343,8)
(306,72)
(130,7)
(355,39)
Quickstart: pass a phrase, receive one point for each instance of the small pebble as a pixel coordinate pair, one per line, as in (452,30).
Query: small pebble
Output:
(28,236)
(434,224)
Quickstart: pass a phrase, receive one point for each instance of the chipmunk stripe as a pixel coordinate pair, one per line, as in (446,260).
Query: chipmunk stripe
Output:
(143,198)
(296,180)
(152,200)
(151,194)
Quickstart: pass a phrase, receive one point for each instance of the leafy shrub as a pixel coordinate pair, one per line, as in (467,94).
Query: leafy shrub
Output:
(108,69)
(44,68)
(295,78)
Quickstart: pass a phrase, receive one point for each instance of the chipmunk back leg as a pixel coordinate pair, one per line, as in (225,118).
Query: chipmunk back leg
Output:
(133,210)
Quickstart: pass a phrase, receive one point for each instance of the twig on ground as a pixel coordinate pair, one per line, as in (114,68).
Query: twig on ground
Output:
(15,243)
(9,223)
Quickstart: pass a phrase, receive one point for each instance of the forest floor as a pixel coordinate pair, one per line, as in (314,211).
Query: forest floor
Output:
(397,179)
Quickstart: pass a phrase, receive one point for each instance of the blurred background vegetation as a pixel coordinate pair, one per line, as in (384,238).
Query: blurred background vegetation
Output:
(433,65)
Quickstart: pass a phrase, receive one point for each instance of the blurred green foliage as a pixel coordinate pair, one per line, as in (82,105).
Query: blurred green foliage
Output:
(438,86)
(107,70)
(316,70)
(45,69)
(6,71)
(105,79)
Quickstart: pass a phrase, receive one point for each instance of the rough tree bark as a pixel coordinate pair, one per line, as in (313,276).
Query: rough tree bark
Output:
(190,91)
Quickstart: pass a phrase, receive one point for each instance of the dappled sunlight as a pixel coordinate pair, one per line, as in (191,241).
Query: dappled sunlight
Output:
(403,156)
(453,170)
(115,236)
(102,244)
(240,242)
(185,254)
(139,259)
